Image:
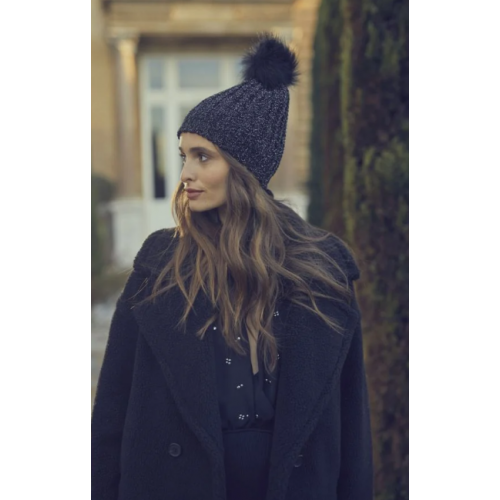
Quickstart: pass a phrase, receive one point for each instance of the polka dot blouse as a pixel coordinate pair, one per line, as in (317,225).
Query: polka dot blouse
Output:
(246,400)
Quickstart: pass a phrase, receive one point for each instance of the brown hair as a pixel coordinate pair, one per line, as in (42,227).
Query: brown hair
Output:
(242,265)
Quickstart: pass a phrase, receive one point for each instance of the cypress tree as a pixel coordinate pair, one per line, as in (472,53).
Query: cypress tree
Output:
(359,150)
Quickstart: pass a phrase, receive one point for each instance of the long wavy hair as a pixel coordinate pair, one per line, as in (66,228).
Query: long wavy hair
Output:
(263,251)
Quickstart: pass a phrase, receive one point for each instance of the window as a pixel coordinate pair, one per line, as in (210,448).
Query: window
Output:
(199,73)
(170,86)
(158,151)
(156,70)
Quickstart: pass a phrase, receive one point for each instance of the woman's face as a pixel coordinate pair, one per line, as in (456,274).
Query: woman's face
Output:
(203,169)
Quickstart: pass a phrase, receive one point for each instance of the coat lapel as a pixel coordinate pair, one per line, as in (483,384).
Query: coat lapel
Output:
(187,363)
(311,361)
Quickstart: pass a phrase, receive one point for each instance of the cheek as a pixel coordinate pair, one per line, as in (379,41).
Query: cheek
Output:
(217,181)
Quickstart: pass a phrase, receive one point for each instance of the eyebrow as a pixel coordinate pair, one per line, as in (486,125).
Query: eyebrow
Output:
(199,149)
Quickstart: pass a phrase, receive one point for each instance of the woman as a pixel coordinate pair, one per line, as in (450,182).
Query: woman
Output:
(234,364)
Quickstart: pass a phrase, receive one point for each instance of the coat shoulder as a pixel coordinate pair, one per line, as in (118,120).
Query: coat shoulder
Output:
(343,255)
(155,249)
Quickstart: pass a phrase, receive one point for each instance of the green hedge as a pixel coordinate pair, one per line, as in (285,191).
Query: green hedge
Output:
(104,282)
(359,154)
(102,191)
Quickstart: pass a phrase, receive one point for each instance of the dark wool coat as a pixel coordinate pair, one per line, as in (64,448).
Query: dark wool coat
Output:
(156,432)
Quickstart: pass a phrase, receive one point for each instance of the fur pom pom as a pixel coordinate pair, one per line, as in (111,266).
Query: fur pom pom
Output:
(270,62)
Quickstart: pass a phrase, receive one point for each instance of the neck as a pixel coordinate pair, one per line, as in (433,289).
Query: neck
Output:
(215,216)
(222,214)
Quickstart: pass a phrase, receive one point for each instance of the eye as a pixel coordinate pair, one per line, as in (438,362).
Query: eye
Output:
(200,156)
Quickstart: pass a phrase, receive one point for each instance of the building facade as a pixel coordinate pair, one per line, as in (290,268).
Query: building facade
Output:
(152,61)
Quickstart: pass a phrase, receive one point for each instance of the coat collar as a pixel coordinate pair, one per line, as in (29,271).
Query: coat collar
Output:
(311,360)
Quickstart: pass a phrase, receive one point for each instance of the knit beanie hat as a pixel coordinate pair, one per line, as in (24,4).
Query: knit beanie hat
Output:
(249,120)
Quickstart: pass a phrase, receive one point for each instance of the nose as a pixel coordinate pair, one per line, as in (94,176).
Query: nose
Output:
(186,174)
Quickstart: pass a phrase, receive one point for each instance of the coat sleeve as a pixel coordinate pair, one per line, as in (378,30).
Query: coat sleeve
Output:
(113,388)
(356,468)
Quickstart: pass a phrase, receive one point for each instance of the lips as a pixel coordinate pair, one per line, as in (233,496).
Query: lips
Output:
(193,195)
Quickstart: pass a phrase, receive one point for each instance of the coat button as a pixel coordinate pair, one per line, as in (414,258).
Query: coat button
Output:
(175,449)
(298,461)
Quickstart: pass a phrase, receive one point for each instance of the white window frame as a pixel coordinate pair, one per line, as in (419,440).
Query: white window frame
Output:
(171,98)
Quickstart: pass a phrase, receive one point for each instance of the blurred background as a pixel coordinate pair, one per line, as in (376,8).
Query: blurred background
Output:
(345,166)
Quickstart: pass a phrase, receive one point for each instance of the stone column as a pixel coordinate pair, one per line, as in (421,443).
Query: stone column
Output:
(129,173)
(128,215)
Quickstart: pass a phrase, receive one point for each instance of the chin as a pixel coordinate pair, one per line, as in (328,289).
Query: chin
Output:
(194,207)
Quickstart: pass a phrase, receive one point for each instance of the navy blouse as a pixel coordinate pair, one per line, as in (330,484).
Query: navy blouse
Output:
(246,400)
